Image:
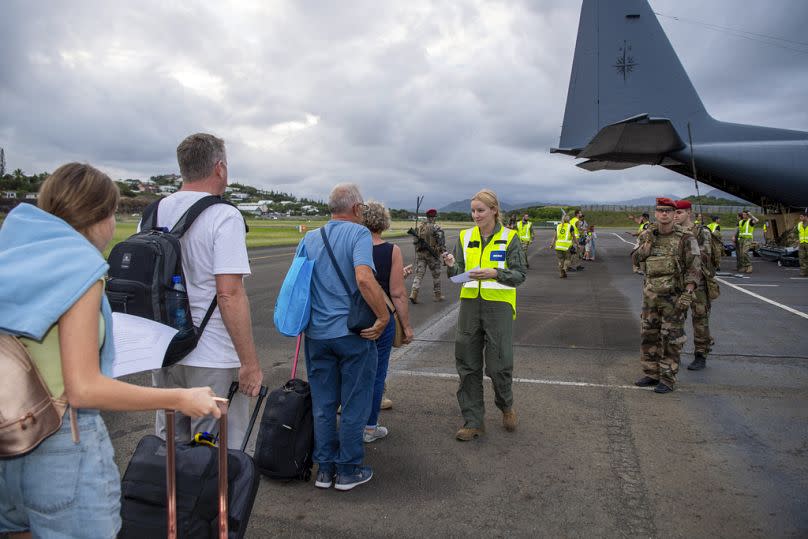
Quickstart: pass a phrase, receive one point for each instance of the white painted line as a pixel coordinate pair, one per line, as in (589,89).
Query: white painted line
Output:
(447,376)
(624,240)
(750,284)
(804,279)
(761,298)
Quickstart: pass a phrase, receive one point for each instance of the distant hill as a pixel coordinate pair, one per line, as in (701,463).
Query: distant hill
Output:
(464,205)
(644,201)
(718,193)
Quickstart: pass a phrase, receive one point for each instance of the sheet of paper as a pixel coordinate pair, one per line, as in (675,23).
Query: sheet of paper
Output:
(463,277)
(140,344)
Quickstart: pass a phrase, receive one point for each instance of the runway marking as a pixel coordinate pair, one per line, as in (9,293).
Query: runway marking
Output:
(767,300)
(758,284)
(286,255)
(804,279)
(539,381)
(624,240)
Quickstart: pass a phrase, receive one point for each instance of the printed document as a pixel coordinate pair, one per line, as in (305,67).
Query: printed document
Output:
(463,277)
(140,344)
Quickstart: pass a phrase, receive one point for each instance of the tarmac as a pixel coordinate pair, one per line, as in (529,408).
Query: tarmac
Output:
(722,456)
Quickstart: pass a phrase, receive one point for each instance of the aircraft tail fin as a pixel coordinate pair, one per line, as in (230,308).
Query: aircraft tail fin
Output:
(624,67)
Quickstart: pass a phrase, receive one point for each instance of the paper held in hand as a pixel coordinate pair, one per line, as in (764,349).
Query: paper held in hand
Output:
(140,344)
(463,277)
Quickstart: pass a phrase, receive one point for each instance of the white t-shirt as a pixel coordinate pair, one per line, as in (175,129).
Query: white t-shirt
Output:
(214,245)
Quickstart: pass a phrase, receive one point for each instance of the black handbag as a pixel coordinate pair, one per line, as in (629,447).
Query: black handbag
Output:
(360,315)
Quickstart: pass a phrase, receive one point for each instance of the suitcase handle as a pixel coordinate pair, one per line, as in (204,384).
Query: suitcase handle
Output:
(262,393)
(297,355)
(171,472)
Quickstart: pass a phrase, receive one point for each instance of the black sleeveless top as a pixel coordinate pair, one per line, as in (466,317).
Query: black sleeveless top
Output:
(383,260)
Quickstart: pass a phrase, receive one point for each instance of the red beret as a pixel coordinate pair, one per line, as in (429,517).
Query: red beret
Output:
(683,205)
(431,212)
(665,202)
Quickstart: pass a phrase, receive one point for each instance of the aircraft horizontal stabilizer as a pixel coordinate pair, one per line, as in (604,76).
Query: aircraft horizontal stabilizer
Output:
(639,140)
(593,165)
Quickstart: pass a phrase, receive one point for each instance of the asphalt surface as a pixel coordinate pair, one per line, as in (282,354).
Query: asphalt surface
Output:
(722,456)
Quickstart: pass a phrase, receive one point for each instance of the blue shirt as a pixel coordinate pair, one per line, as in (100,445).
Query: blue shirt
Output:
(330,303)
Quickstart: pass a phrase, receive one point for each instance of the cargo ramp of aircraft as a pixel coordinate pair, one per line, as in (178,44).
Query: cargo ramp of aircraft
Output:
(630,102)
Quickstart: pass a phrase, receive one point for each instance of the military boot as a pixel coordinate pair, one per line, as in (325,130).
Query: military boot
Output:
(466,434)
(509,420)
(699,362)
(439,296)
(414,295)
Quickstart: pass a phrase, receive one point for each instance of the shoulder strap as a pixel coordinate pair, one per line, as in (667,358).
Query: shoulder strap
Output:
(190,215)
(149,220)
(334,260)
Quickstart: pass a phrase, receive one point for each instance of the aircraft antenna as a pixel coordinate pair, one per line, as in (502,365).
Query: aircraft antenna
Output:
(693,166)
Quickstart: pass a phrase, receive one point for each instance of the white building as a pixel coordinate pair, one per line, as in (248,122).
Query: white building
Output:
(256,209)
(239,196)
(168,189)
(9,194)
(31,196)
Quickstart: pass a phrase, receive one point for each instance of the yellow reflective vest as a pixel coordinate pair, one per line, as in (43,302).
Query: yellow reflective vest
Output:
(745,229)
(493,256)
(712,226)
(524,231)
(574,224)
(563,237)
(803,232)
(643,226)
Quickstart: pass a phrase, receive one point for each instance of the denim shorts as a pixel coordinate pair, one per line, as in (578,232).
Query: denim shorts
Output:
(61,489)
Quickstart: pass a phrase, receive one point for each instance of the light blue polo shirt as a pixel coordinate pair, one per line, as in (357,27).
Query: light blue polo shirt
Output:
(330,303)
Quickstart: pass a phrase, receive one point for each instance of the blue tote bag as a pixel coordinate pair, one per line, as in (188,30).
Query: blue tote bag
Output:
(293,307)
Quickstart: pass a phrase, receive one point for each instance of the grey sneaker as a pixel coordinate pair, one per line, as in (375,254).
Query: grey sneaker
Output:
(325,478)
(361,475)
(376,433)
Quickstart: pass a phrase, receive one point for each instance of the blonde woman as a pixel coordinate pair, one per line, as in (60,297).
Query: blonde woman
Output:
(52,269)
(493,255)
(389,263)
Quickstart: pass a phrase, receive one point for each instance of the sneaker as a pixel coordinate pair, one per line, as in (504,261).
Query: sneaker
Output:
(325,478)
(386,404)
(362,474)
(372,434)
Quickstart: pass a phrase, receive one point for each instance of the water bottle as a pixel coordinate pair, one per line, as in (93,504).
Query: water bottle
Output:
(176,299)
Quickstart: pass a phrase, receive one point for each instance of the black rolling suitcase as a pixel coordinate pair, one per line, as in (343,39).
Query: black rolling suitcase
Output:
(193,492)
(286,435)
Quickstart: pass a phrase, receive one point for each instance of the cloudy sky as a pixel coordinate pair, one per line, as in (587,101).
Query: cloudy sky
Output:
(425,97)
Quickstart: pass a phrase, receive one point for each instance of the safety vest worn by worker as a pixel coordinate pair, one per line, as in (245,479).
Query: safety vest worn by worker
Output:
(803,232)
(524,231)
(643,226)
(574,224)
(493,256)
(563,237)
(745,229)
(713,226)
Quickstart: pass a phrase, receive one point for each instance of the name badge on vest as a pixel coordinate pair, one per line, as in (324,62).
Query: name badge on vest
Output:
(497,256)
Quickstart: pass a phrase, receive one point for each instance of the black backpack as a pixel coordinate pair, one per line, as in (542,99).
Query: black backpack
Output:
(141,269)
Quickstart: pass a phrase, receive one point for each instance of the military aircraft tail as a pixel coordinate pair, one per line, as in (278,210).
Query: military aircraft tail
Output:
(628,87)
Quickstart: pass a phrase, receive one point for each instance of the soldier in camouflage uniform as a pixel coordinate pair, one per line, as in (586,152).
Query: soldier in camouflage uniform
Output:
(430,236)
(700,308)
(672,273)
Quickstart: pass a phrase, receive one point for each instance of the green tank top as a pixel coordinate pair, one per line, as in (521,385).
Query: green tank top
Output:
(47,357)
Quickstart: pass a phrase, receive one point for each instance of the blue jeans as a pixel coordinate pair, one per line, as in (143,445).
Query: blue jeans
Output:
(384,344)
(62,490)
(340,371)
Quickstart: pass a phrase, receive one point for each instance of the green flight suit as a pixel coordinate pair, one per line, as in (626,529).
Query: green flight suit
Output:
(486,325)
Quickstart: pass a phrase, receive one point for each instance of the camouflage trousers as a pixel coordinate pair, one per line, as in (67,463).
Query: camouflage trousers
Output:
(662,337)
(525,245)
(563,261)
(742,253)
(804,259)
(700,311)
(421,263)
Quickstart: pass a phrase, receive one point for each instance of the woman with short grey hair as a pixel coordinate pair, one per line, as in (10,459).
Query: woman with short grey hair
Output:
(389,264)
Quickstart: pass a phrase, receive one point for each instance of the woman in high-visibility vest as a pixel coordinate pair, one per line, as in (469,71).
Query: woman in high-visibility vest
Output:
(802,234)
(487,312)
(563,239)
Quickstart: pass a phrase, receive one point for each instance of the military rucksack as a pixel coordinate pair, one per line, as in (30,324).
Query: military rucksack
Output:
(142,269)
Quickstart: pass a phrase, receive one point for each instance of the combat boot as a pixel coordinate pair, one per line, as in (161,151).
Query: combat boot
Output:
(439,296)
(563,274)
(414,295)
(663,388)
(466,434)
(646,381)
(509,420)
(699,362)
